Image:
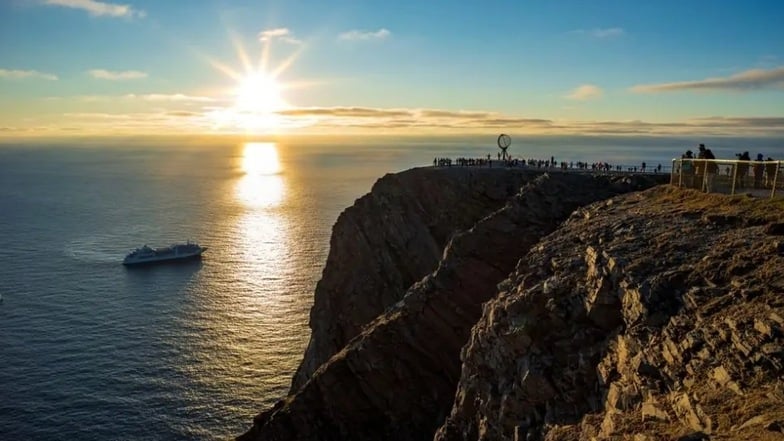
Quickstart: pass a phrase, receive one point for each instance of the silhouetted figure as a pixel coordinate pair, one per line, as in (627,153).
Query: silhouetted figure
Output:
(742,169)
(759,171)
(711,168)
(699,167)
(770,172)
(687,168)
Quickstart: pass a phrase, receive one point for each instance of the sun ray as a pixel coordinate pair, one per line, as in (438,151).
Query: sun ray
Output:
(286,63)
(265,53)
(241,54)
(302,84)
(233,74)
(256,103)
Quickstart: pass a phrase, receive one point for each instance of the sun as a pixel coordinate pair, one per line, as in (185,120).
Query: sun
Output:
(257,103)
(259,93)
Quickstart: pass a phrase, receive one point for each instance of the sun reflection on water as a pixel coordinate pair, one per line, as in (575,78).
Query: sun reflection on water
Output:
(253,333)
(262,185)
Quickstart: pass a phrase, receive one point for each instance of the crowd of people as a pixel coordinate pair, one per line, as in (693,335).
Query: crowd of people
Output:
(544,164)
(697,171)
(700,171)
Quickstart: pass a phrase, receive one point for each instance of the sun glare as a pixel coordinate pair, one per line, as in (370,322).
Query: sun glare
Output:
(262,185)
(259,93)
(260,158)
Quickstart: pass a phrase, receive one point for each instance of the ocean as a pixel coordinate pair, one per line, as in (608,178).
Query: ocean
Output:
(90,349)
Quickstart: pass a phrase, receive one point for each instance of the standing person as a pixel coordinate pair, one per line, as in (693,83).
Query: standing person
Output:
(742,169)
(687,168)
(770,172)
(759,170)
(711,168)
(699,167)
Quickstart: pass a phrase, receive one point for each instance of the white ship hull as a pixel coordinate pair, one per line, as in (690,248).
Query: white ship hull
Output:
(175,253)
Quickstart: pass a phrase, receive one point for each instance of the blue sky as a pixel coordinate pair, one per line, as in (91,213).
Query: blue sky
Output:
(88,66)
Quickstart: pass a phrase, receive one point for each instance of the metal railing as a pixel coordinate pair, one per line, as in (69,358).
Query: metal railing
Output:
(759,178)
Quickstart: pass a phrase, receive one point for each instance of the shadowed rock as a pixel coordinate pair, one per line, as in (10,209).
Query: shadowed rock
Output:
(396,380)
(391,238)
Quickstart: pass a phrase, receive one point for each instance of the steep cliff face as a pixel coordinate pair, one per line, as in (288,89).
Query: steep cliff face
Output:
(654,315)
(390,239)
(396,379)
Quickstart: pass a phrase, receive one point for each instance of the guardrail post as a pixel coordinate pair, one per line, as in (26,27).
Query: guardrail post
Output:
(734,177)
(704,176)
(775,179)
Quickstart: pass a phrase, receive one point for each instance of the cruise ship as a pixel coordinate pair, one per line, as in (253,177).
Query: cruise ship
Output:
(176,252)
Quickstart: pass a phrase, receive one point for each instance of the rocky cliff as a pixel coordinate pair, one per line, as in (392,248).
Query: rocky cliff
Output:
(655,315)
(396,379)
(543,307)
(388,240)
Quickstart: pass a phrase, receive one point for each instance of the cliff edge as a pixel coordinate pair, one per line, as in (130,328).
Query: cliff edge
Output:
(388,240)
(396,379)
(468,304)
(655,315)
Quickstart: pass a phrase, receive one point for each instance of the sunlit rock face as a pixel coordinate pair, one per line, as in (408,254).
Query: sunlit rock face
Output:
(396,380)
(655,315)
(391,238)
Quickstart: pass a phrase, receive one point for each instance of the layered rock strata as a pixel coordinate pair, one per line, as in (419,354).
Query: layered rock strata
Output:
(391,238)
(396,380)
(655,315)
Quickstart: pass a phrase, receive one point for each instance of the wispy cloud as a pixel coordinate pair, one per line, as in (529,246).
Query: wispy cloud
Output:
(104,74)
(744,81)
(585,92)
(436,113)
(149,97)
(218,118)
(358,35)
(601,33)
(183,113)
(19,74)
(709,126)
(283,34)
(359,112)
(99,9)
(171,97)
(370,117)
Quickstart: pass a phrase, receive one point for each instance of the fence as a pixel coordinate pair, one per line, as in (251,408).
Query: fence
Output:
(759,178)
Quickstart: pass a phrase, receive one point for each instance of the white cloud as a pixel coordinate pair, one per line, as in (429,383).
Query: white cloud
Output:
(99,9)
(601,33)
(19,74)
(283,34)
(585,92)
(175,97)
(150,97)
(342,120)
(748,80)
(355,35)
(104,74)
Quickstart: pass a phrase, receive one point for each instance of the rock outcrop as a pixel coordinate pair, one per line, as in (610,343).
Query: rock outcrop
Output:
(655,315)
(390,239)
(485,304)
(396,379)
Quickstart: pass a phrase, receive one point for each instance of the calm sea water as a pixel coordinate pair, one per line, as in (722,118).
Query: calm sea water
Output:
(92,350)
